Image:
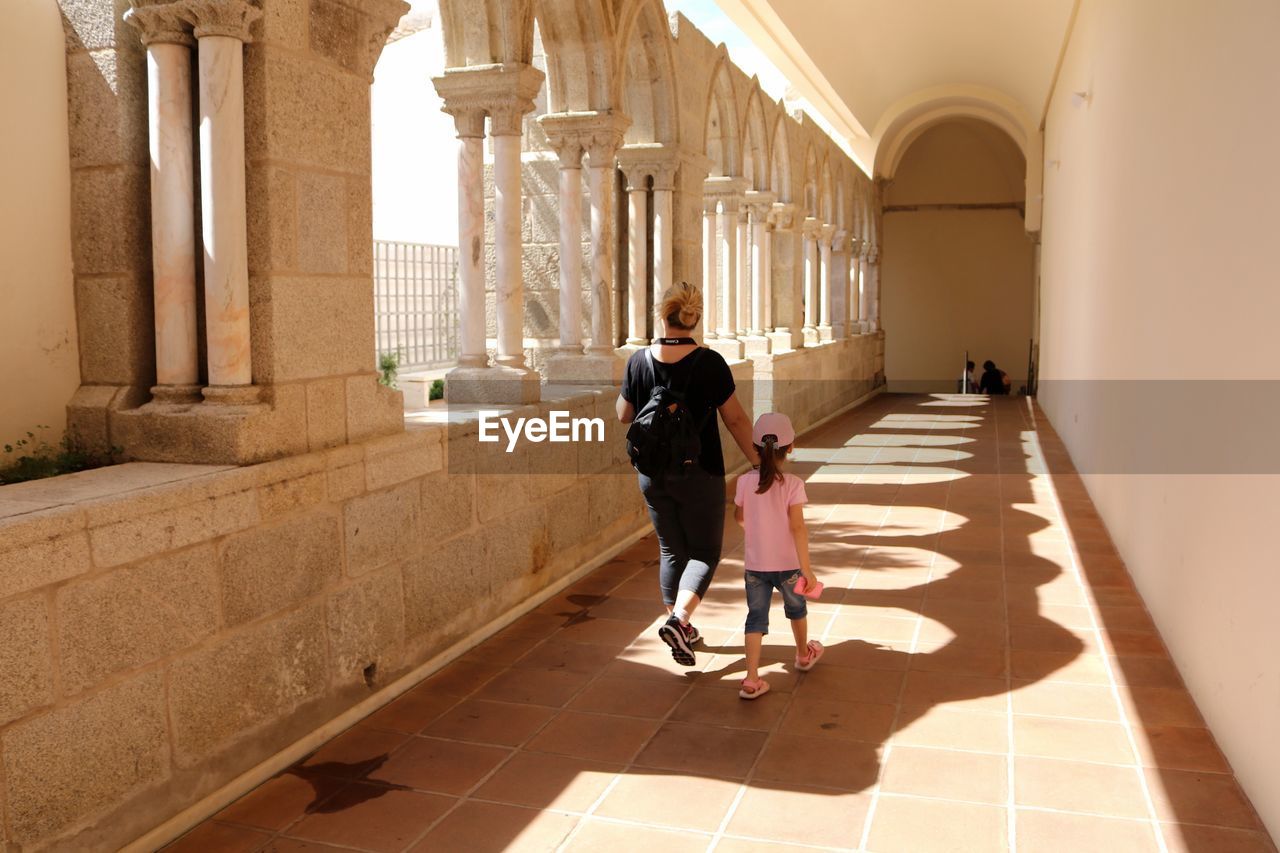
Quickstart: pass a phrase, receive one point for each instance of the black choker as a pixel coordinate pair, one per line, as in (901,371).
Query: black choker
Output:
(675,342)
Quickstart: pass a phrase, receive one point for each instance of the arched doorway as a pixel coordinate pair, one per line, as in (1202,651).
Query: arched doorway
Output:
(957,263)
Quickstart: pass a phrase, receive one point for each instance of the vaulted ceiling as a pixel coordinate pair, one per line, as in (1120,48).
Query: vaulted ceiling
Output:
(882,71)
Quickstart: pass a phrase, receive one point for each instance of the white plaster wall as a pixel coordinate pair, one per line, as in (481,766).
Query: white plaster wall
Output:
(38,347)
(956,280)
(415,170)
(1158,262)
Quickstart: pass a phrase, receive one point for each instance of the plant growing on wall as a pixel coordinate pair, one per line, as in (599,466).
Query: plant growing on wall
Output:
(32,457)
(388,367)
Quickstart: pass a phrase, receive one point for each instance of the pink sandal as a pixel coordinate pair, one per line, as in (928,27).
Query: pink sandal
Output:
(806,663)
(758,688)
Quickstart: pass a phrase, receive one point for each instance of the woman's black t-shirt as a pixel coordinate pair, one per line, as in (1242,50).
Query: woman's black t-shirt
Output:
(709,386)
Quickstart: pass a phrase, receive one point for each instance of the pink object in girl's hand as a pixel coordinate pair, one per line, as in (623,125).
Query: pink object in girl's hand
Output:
(809,592)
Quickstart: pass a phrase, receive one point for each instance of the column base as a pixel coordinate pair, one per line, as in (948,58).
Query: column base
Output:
(811,337)
(232,395)
(175,395)
(499,384)
(756,344)
(781,340)
(730,348)
(826,333)
(589,369)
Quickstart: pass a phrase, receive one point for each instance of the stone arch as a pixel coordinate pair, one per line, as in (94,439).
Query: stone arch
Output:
(780,160)
(644,72)
(810,200)
(578,38)
(720,141)
(841,220)
(486,32)
(826,194)
(755,145)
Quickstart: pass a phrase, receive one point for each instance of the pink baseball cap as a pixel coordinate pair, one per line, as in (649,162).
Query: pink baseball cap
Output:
(773,423)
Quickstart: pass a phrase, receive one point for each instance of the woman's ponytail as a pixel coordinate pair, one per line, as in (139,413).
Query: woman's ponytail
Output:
(770,453)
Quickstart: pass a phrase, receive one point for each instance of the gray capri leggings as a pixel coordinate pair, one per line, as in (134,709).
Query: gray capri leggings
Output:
(688,515)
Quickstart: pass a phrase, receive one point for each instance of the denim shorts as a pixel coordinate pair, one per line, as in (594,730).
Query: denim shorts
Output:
(760,587)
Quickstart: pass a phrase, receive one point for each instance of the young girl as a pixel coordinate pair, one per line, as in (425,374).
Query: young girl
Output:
(770,508)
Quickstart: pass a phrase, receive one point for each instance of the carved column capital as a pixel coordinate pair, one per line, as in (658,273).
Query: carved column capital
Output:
(503,92)
(810,227)
(782,216)
(230,18)
(468,121)
(160,22)
(759,203)
(597,134)
(648,160)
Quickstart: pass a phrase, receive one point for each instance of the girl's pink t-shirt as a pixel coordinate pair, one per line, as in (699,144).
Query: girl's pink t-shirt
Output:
(770,545)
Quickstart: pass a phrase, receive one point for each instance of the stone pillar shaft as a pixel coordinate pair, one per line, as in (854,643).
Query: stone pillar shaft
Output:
(637,238)
(222,202)
(826,289)
(663,240)
(810,280)
(173,249)
(509,287)
(571,252)
(471,337)
(760,278)
(710,269)
(728,254)
(742,310)
(600,188)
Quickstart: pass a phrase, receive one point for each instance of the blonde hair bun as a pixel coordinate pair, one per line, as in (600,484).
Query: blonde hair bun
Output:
(681,306)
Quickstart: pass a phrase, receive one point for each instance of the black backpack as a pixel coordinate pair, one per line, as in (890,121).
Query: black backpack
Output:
(665,436)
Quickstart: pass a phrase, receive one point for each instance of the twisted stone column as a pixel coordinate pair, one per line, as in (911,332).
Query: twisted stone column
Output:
(167,36)
(222,29)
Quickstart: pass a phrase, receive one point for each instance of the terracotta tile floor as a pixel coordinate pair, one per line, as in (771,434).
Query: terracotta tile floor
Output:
(992,682)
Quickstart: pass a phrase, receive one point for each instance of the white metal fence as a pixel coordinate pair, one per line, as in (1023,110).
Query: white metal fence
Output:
(415,303)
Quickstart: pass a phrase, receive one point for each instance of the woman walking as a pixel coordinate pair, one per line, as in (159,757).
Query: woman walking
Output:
(687,505)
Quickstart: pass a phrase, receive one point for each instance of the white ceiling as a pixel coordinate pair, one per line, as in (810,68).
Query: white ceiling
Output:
(864,63)
(876,52)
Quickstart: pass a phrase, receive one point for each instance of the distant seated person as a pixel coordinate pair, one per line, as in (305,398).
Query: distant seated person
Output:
(994,380)
(970,381)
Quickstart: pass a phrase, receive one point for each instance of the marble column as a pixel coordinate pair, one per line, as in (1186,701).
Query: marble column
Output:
(663,231)
(473,350)
(638,258)
(710,265)
(839,285)
(570,154)
(741,319)
(166,35)
(864,324)
(505,126)
(855,303)
(222,29)
(784,304)
(755,342)
(597,135)
(809,229)
(826,286)
(727,214)
(600,174)
(873,275)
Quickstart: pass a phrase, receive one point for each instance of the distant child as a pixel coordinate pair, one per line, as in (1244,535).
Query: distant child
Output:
(770,508)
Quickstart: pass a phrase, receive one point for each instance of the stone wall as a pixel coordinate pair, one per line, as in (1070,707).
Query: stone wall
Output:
(159,639)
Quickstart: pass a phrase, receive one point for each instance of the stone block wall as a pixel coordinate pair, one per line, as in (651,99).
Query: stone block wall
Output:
(159,642)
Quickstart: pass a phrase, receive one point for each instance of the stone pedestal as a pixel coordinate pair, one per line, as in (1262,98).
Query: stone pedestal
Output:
(730,348)
(590,369)
(499,384)
(753,345)
(781,340)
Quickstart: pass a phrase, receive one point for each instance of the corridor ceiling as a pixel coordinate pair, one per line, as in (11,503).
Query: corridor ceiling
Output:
(882,70)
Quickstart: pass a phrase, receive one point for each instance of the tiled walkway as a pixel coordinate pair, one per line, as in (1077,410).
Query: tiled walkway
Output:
(992,682)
